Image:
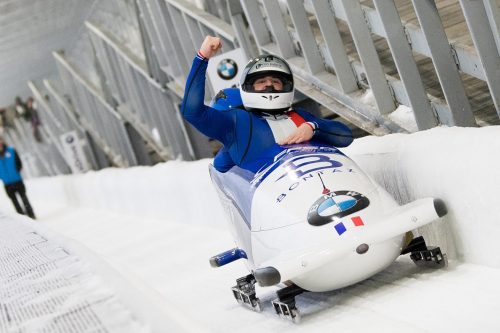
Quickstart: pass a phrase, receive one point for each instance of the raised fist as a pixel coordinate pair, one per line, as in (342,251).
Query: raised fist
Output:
(210,46)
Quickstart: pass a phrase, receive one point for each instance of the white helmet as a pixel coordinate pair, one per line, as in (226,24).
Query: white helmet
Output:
(270,100)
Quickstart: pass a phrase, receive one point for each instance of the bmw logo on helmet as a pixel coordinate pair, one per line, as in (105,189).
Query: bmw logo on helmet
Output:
(227,69)
(70,139)
(336,204)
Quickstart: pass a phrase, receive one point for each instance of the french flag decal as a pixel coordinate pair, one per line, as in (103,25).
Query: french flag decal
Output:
(357,221)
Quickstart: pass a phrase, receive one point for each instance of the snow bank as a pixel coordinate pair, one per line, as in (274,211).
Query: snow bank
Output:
(458,165)
(404,117)
(175,191)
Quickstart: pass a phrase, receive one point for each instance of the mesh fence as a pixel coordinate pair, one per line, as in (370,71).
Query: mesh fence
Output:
(45,288)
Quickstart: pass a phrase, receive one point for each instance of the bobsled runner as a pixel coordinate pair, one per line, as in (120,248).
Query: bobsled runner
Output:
(312,220)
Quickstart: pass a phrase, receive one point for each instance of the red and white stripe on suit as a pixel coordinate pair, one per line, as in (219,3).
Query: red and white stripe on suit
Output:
(284,125)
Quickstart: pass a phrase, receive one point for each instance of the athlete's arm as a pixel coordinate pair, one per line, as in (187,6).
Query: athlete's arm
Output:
(211,122)
(330,132)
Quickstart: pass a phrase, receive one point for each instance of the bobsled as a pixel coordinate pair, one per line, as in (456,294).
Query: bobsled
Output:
(312,220)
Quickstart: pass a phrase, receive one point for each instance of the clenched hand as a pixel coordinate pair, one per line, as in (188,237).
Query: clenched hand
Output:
(303,133)
(210,46)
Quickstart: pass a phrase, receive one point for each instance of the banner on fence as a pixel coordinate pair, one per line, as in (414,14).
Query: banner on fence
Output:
(73,152)
(224,70)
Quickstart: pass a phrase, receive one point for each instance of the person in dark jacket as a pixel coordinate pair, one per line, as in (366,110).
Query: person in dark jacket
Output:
(10,174)
(22,109)
(34,119)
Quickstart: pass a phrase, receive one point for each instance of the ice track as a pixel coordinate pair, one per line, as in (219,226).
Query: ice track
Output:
(149,232)
(171,261)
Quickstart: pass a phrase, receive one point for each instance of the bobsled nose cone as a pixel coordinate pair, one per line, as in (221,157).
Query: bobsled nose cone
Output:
(440,207)
(267,276)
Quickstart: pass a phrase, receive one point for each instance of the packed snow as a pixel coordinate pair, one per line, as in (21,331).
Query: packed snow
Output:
(404,117)
(156,227)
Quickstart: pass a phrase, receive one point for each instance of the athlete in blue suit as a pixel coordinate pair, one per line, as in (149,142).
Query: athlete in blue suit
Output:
(254,134)
(225,100)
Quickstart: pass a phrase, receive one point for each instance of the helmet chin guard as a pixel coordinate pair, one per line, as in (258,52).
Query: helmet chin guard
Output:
(268,100)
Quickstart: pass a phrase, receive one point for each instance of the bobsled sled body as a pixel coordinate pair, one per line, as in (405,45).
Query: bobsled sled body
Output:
(313,217)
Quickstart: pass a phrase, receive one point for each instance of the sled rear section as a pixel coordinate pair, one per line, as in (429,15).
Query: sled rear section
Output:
(233,189)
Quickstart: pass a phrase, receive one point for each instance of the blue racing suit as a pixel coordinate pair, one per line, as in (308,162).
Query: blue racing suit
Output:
(247,136)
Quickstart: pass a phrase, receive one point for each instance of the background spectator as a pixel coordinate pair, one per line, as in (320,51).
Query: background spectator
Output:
(34,119)
(10,174)
(22,109)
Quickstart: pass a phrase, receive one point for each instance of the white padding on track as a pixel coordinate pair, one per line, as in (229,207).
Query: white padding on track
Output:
(46,288)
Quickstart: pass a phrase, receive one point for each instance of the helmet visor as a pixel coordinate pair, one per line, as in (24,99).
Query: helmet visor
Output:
(268,81)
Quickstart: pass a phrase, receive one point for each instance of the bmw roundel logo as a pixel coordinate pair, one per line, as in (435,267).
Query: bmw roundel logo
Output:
(335,204)
(227,69)
(70,139)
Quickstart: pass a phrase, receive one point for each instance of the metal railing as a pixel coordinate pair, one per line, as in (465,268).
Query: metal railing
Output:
(307,33)
(97,115)
(42,158)
(364,60)
(177,29)
(52,128)
(59,109)
(140,99)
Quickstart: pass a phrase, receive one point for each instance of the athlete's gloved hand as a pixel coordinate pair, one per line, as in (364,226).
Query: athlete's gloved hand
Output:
(303,133)
(210,46)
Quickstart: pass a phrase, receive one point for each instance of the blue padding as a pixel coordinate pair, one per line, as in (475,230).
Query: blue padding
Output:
(227,99)
(229,256)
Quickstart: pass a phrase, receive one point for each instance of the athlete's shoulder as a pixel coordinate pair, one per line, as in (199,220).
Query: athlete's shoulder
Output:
(227,99)
(300,110)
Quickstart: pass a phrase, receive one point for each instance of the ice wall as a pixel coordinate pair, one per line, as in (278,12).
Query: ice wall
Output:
(174,191)
(458,165)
